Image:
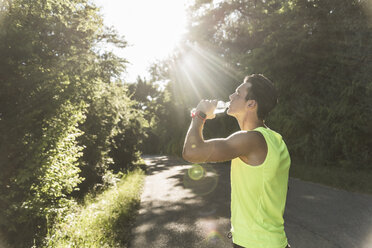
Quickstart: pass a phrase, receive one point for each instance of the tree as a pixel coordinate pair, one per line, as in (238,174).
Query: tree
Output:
(113,132)
(51,75)
(317,54)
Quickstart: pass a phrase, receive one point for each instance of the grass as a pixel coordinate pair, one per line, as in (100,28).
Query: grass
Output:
(342,178)
(101,221)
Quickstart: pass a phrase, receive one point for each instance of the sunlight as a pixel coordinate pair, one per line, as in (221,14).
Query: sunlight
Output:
(218,63)
(152,28)
(200,73)
(187,70)
(193,64)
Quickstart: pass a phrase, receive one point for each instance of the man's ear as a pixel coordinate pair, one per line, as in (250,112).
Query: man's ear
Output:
(251,103)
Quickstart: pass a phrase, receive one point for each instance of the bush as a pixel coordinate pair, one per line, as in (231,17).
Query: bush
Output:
(112,134)
(38,187)
(104,220)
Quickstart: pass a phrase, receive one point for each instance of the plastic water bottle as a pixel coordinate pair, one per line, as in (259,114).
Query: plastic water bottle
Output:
(221,107)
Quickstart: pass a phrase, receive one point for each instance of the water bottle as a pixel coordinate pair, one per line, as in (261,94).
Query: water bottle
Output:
(221,107)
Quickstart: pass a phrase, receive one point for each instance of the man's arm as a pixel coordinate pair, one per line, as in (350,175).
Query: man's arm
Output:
(197,150)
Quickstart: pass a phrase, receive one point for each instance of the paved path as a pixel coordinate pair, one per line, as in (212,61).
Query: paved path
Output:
(177,211)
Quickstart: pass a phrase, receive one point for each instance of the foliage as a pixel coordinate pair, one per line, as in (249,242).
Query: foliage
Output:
(38,189)
(317,54)
(102,221)
(327,86)
(112,134)
(56,82)
(161,114)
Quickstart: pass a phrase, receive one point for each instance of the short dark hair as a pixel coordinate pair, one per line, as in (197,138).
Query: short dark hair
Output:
(264,92)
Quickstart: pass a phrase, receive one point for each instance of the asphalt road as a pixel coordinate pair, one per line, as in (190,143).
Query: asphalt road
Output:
(182,208)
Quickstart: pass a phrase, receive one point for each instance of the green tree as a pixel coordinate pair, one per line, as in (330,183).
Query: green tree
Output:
(316,52)
(53,76)
(112,135)
(326,88)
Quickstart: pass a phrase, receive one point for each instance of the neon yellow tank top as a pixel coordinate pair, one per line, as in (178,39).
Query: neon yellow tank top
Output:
(258,196)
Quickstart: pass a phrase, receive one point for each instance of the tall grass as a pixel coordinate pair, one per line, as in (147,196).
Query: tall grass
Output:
(104,220)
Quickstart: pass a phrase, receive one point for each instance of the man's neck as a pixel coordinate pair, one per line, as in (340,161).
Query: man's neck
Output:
(247,124)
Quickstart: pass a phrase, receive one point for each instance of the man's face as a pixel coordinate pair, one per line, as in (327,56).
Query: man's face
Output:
(238,104)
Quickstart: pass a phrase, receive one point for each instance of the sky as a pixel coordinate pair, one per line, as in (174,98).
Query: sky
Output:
(152,29)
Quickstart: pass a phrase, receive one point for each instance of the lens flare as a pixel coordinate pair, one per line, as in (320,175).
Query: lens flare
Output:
(202,180)
(214,237)
(196,172)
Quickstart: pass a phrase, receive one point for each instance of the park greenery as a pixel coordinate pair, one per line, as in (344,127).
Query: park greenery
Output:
(317,53)
(104,219)
(66,119)
(72,131)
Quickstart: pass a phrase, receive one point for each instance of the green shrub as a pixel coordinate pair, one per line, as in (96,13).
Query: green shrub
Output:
(47,174)
(104,220)
(113,131)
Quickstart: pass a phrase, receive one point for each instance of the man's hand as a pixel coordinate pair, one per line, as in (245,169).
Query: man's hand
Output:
(207,107)
(241,143)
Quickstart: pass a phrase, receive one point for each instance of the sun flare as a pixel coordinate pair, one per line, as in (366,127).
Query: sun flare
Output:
(152,29)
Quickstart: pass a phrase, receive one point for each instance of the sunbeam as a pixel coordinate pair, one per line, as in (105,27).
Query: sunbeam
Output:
(199,73)
(194,66)
(215,61)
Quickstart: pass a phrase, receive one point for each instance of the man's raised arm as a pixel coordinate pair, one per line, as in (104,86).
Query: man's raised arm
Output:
(198,150)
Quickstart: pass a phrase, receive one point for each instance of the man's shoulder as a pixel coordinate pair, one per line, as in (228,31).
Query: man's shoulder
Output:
(255,147)
(274,136)
(251,134)
(252,138)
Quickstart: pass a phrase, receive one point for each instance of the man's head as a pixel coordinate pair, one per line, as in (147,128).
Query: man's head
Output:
(256,94)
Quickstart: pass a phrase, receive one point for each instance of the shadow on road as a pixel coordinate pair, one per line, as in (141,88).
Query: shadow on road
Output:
(158,163)
(177,211)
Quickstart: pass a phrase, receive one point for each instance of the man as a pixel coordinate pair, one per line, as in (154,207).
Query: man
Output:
(259,167)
